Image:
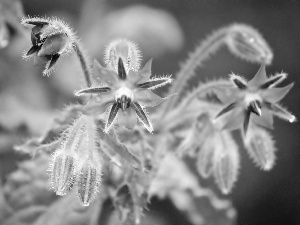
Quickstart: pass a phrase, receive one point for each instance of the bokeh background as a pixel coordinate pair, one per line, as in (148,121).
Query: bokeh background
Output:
(175,29)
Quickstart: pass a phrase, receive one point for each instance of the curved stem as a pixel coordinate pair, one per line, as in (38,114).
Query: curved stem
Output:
(85,65)
(202,52)
(203,90)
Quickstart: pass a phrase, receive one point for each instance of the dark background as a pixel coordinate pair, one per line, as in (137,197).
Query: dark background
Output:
(260,197)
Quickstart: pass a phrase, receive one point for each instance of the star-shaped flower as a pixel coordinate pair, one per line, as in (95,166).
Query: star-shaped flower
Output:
(127,90)
(254,101)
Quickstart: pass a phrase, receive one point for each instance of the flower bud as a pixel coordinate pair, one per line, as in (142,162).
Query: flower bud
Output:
(88,181)
(62,172)
(205,158)
(226,162)
(55,44)
(260,147)
(50,39)
(247,43)
(127,51)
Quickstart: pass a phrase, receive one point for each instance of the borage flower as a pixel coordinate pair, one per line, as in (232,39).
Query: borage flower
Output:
(127,90)
(50,39)
(254,101)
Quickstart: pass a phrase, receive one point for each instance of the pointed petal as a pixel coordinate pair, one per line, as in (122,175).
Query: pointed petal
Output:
(142,115)
(53,61)
(32,50)
(259,78)
(226,109)
(146,71)
(274,81)
(265,120)
(92,90)
(235,120)
(98,105)
(41,60)
(127,120)
(225,94)
(276,94)
(239,82)
(281,112)
(141,76)
(147,98)
(103,75)
(121,70)
(54,45)
(155,82)
(112,116)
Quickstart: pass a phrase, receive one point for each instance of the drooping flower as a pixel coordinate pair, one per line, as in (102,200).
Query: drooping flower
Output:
(50,39)
(127,90)
(253,102)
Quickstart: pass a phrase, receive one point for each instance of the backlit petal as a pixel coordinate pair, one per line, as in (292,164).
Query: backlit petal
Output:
(141,76)
(146,71)
(102,75)
(226,94)
(265,120)
(98,105)
(276,94)
(147,98)
(260,77)
(235,119)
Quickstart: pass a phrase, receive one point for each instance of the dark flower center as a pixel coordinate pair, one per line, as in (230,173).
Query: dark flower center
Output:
(124,102)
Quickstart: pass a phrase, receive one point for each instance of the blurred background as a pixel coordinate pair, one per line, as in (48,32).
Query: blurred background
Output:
(167,30)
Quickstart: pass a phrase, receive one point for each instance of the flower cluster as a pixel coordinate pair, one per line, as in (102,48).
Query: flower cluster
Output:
(50,39)
(119,86)
(190,124)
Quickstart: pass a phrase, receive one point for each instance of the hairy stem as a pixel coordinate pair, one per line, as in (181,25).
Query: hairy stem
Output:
(202,91)
(85,65)
(202,52)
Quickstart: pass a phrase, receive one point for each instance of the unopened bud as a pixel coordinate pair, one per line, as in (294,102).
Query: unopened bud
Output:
(226,162)
(127,51)
(55,44)
(247,43)
(205,158)
(88,182)
(62,172)
(260,147)
(50,39)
